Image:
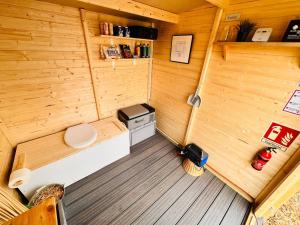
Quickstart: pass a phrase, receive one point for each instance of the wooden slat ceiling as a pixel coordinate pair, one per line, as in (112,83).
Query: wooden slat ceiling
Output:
(174,6)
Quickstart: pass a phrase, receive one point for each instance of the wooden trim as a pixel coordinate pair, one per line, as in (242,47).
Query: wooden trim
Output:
(203,75)
(124,38)
(219,3)
(230,184)
(90,58)
(284,190)
(260,44)
(250,218)
(121,7)
(150,73)
(282,173)
(5,132)
(167,136)
(136,8)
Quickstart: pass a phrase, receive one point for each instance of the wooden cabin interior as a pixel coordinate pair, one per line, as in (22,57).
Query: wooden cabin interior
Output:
(70,73)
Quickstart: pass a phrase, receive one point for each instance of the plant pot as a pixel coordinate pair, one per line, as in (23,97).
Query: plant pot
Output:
(242,36)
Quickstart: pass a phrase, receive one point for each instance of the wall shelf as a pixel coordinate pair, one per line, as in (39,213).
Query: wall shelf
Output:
(132,60)
(125,59)
(124,38)
(227,45)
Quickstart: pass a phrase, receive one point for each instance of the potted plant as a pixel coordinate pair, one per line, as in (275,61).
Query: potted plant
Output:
(244,29)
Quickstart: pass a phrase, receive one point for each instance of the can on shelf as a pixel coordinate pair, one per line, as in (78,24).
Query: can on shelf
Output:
(111,29)
(105,29)
(101,28)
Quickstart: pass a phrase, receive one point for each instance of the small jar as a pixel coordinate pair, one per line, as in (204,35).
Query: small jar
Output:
(118,31)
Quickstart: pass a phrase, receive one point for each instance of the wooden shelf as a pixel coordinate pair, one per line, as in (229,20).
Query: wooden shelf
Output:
(258,44)
(227,45)
(130,60)
(124,38)
(126,59)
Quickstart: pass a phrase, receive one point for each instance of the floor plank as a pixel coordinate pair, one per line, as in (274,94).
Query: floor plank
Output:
(163,203)
(107,174)
(154,143)
(216,211)
(114,178)
(124,203)
(149,186)
(197,210)
(104,195)
(236,211)
(182,204)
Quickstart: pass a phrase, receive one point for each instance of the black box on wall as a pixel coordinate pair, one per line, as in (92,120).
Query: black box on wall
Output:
(292,33)
(143,32)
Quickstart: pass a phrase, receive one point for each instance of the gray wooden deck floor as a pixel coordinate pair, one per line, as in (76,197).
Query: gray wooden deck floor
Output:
(149,186)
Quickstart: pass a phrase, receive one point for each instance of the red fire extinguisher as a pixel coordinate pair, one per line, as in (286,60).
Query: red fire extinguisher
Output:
(262,158)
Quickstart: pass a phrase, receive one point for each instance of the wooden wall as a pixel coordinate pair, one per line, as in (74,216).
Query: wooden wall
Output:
(45,80)
(45,83)
(241,96)
(172,83)
(122,84)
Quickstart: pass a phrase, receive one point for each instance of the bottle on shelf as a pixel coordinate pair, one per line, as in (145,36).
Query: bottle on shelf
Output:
(144,50)
(148,51)
(141,51)
(137,50)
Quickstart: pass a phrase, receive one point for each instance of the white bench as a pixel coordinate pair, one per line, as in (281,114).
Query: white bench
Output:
(50,160)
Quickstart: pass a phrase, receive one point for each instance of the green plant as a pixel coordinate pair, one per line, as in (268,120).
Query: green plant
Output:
(244,28)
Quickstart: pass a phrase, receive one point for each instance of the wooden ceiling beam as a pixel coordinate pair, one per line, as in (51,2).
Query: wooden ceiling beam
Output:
(219,3)
(129,7)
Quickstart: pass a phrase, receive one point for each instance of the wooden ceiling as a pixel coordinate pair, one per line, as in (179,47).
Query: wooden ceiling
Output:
(174,6)
(146,10)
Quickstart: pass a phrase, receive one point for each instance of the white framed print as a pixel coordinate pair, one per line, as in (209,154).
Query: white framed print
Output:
(181,48)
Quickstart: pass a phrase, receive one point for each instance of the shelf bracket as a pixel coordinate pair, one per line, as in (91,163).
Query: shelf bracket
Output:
(225,52)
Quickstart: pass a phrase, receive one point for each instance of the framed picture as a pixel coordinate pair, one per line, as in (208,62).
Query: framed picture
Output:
(181,48)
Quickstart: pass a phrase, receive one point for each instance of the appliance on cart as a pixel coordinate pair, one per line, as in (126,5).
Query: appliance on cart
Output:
(140,121)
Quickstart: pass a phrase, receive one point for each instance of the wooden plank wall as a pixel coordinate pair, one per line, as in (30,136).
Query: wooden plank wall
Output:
(46,84)
(45,81)
(241,96)
(172,83)
(244,94)
(122,84)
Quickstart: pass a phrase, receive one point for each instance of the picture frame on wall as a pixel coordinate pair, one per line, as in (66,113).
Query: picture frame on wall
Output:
(181,48)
